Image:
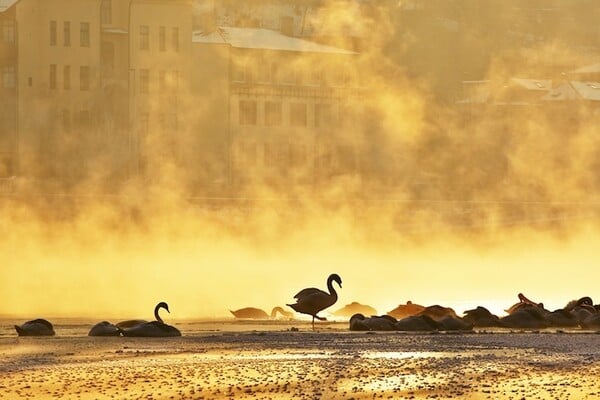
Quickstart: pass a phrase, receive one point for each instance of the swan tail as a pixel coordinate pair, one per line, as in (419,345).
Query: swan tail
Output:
(20,331)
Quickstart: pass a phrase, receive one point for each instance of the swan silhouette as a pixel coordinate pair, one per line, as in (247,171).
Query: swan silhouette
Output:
(312,300)
(154,328)
(438,312)
(480,317)
(358,322)
(406,310)
(529,317)
(36,327)
(105,328)
(130,323)
(524,302)
(257,313)
(353,308)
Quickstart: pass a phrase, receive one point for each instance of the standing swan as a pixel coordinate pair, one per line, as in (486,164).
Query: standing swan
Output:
(312,300)
(37,327)
(155,328)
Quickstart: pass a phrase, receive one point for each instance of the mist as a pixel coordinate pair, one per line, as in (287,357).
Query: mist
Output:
(417,192)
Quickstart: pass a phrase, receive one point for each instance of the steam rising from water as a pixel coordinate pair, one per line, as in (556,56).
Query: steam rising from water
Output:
(449,209)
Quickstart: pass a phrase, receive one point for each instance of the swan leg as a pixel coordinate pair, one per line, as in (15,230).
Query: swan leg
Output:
(313,323)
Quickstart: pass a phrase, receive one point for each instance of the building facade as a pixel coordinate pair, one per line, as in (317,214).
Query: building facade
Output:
(8,90)
(280,101)
(58,85)
(111,89)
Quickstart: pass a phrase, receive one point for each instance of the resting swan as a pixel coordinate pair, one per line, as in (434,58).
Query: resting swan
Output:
(105,328)
(155,328)
(36,327)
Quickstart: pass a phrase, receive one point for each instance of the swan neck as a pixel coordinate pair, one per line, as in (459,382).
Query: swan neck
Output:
(156,316)
(331,289)
(275,311)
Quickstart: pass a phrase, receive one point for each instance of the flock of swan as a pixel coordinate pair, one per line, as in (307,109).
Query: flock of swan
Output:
(131,328)
(525,314)
(308,301)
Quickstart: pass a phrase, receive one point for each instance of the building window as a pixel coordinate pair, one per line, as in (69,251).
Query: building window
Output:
(247,112)
(273,113)
(144,125)
(287,74)
(276,154)
(84,119)
(162,81)
(323,116)
(315,77)
(106,11)
(52,33)
(84,34)
(299,75)
(337,78)
(52,81)
(8,31)
(173,122)
(287,25)
(247,151)
(67,33)
(144,37)
(66,120)
(9,80)
(144,81)
(298,114)
(174,81)
(67,77)
(84,78)
(238,71)
(107,55)
(298,155)
(264,71)
(162,38)
(176,39)
(250,72)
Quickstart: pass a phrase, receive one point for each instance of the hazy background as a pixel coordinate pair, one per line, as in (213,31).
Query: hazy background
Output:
(451,205)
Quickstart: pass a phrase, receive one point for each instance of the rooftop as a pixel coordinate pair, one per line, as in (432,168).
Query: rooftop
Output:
(587,90)
(588,69)
(265,39)
(6,4)
(533,84)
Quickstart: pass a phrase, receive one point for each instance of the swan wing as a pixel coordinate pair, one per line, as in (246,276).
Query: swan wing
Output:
(317,301)
(309,292)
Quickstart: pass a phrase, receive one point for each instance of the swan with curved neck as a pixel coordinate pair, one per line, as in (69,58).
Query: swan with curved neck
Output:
(281,311)
(155,328)
(523,302)
(257,313)
(160,305)
(311,301)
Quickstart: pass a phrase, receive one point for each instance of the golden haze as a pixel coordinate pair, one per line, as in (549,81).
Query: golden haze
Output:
(446,206)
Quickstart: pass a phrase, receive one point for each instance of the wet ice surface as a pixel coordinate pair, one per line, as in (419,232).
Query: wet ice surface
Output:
(327,364)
